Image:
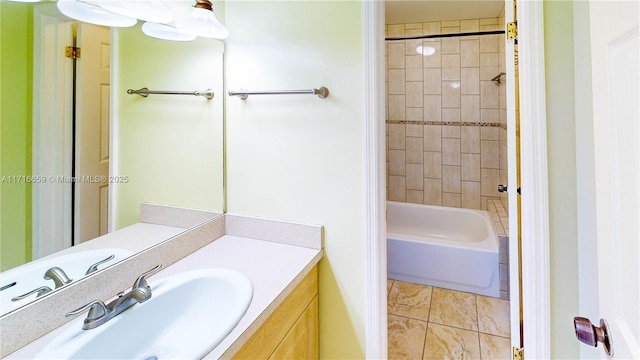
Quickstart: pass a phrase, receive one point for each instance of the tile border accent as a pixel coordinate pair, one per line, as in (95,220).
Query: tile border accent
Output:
(447,123)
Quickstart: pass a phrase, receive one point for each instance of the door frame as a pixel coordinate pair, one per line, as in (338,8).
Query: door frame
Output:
(534,181)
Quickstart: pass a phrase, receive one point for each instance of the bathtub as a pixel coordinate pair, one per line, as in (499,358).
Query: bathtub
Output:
(440,246)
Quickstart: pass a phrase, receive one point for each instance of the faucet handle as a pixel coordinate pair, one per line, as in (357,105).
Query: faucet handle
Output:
(40,291)
(94,267)
(142,279)
(97,309)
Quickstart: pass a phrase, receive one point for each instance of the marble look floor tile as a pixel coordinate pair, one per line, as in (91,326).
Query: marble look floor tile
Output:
(495,347)
(406,337)
(454,308)
(445,342)
(410,300)
(493,316)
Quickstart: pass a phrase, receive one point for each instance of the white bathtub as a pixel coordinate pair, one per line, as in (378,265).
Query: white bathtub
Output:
(441,246)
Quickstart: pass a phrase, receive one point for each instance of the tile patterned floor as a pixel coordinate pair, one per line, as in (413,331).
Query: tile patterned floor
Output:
(432,323)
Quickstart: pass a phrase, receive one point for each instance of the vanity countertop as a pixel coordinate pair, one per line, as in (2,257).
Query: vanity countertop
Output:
(273,268)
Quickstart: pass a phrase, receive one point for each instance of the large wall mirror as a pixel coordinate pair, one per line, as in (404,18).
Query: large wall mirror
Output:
(79,155)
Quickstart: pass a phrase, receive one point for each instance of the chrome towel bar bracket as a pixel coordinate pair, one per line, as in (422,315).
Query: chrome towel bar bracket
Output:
(322,92)
(144,92)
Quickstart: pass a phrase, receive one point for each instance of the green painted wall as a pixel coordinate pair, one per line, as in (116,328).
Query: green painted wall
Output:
(16,69)
(169,147)
(300,158)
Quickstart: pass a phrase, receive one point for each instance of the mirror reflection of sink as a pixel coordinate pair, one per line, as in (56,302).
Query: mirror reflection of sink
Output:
(187,315)
(23,279)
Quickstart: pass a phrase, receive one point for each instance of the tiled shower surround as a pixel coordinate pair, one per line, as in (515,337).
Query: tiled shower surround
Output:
(446,118)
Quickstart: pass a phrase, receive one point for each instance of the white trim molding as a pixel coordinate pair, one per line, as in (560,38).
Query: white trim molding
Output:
(534,181)
(375,186)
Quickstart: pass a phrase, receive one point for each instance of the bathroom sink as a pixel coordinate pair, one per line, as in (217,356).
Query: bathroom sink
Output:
(31,276)
(187,315)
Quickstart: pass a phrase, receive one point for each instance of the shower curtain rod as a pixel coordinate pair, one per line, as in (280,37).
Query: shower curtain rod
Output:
(435,36)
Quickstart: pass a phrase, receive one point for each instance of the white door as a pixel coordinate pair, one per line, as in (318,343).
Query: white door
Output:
(615,80)
(92,132)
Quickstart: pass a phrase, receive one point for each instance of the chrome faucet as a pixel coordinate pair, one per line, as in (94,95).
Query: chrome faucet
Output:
(58,276)
(99,313)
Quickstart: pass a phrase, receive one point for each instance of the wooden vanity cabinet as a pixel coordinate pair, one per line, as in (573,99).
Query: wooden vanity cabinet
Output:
(291,331)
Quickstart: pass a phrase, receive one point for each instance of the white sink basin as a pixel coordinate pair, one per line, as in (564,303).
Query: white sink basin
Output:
(187,315)
(31,276)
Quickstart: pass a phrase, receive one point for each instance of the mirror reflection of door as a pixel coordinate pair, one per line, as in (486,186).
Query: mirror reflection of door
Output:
(71,131)
(92,133)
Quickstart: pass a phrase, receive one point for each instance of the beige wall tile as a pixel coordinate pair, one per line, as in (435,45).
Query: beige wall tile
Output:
(471,169)
(432,138)
(396,136)
(397,81)
(472,25)
(471,195)
(414,114)
(451,179)
(489,43)
(397,162)
(415,74)
(451,45)
(488,66)
(395,30)
(470,108)
(451,115)
(432,107)
(489,179)
(450,29)
(450,23)
(446,342)
(450,151)
(470,139)
(396,107)
(415,196)
(433,81)
(431,28)
(395,55)
(490,154)
(451,94)
(451,67)
(411,46)
(415,177)
(432,165)
(414,94)
(489,115)
(489,95)
(489,133)
(413,26)
(469,53)
(451,131)
(451,200)
(488,21)
(414,148)
(433,191)
(431,54)
(397,188)
(414,130)
(470,81)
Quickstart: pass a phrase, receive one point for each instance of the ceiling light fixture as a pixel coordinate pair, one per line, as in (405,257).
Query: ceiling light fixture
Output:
(94,14)
(166,32)
(203,22)
(146,10)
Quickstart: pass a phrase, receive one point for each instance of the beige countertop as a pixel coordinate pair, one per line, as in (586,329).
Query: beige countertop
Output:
(273,268)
